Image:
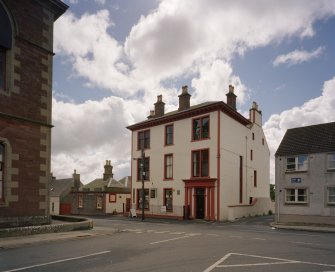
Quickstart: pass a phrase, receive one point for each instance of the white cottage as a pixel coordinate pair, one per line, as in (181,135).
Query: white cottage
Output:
(205,161)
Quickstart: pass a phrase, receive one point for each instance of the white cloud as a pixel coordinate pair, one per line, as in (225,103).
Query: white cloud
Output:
(85,135)
(298,56)
(315,111)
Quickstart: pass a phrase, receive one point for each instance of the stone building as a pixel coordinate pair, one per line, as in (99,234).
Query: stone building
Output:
(305,175)
(26,51)
(103,195)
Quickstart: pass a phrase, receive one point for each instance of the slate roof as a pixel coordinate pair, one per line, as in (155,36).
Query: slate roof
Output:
(100,185)
(60,186)
(308,140)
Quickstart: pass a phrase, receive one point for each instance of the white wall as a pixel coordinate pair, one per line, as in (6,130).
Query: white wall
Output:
(118,205)
(56,202)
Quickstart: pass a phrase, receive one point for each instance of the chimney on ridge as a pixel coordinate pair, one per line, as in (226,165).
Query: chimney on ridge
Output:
(184,99)
(108,170)
(159,106)
(76,180)
(231,98)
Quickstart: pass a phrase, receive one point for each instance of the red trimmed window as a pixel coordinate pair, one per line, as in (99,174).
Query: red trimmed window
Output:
(200,128)
(200,163)
(146,199)
(112,198)
(255,178)
(143,139)
(2,69)
(146,169)
(169,135)
(168,166)
(2,171)
(168,199)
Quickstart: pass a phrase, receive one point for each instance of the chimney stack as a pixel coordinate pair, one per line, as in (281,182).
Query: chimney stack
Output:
(159,106)
(184,99)
(76,180)
(231,98)
(152,114)
(255,115)
(108,170)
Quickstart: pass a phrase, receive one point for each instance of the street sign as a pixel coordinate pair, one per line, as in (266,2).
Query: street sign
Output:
(295,180)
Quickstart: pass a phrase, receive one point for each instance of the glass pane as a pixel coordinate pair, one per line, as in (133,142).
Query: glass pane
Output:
(140,141)
(331,199)
(290,164)
(204,163)
(331,191)
(205,128)
(196,129)
(196,164)
(331,161)
(168,199)
(2,152)
(302,163)
(169,135)
(147,139)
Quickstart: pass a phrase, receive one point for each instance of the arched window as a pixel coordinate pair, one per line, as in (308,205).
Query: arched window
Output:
(2,170)
(6,33)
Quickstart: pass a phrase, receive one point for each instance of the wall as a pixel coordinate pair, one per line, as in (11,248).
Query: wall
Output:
(316,180)
(55,201)
(118,206)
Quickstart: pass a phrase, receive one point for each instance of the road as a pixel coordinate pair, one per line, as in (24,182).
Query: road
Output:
(246,245)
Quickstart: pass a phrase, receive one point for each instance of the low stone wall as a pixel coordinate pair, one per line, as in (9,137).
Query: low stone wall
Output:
(70,224)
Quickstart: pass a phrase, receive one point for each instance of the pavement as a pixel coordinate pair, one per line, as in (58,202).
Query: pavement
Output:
(64,230)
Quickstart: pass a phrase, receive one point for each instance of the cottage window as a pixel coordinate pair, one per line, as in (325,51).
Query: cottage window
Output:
(143,139)
(80,201)
(296,196)
(331,195)
(169,135)
(2,171)
(200,128)
(146,169)
(168,199)
(200,163)
(146,199)
(99,202)
(168,166)
(298,163)
(331,161)
(112,198)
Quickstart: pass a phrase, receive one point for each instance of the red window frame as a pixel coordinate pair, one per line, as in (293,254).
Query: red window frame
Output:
(201,132)
(255,178)
(112,198)
(167,134)
(169,209)
(165,167)
(143,136)
(200,164)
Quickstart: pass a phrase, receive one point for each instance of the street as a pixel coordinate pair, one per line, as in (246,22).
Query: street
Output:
(247,245)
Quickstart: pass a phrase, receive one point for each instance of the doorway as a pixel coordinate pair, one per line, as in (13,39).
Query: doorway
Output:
(200,203)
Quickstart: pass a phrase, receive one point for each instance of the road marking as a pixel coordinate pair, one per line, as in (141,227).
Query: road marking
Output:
(160,232)
(220,262)
(182,232)
(304,243)
(256,238)
(59,261)
(168,240)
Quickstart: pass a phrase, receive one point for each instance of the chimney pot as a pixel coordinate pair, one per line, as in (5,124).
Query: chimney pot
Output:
(231,97)
(159,106)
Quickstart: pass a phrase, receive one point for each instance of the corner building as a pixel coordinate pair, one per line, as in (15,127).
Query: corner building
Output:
(205,161)
(26,51)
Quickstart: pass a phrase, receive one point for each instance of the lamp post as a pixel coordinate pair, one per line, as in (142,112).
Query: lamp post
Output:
(142,169)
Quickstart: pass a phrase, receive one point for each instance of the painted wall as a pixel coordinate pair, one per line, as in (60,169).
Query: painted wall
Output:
(316,180)
(117,206)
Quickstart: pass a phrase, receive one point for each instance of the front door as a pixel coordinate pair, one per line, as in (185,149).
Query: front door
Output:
(200,203)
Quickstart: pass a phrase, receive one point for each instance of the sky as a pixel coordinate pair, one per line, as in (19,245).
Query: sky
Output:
(113,57)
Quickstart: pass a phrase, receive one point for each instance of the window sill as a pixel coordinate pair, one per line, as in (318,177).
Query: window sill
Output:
(168,179)
(199,140)
(295,172)
(330,170)
(297,203)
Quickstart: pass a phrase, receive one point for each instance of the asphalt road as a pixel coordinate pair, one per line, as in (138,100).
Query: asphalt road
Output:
(247,245)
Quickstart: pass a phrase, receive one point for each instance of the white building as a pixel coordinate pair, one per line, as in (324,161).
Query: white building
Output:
(205,161)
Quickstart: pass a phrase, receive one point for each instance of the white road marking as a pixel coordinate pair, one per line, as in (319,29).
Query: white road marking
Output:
(160,232)
(59,261)
(182,232)
(168,240)
(256,238)
(281,261)
(303,243)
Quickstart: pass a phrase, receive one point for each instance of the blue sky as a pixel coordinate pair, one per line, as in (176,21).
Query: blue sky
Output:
(113,57)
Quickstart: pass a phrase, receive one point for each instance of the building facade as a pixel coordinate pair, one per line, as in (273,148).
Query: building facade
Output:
(305,175)
(102,196)
(205,161)
(26,51)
